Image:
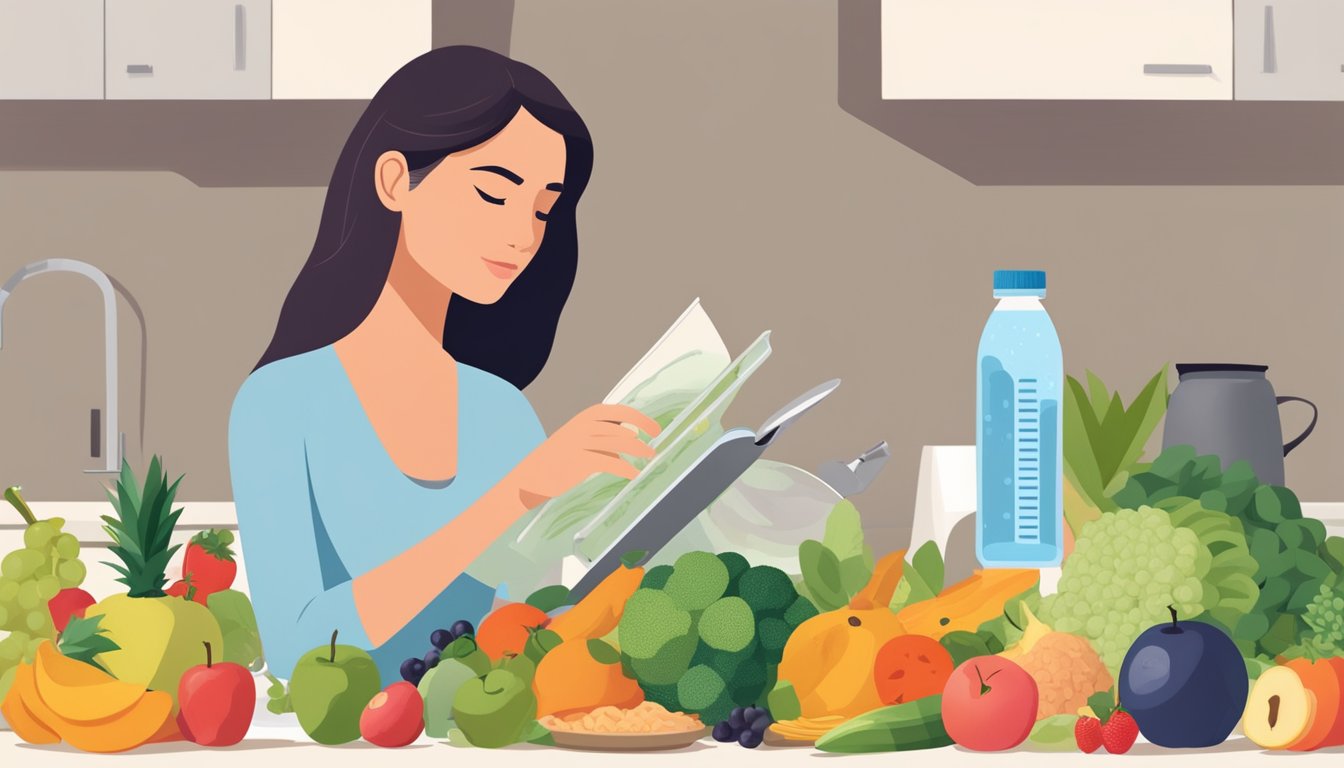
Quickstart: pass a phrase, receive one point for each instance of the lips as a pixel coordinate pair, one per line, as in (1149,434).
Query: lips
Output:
(501,269)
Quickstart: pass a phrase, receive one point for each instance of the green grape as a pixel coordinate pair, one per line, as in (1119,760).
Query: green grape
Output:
(28,598)
(18,565)
(8,589)
(39,535)
(71,573)
(56,523)
(4,616)
(67,546)
(37,620)
(12,647)
(47,587)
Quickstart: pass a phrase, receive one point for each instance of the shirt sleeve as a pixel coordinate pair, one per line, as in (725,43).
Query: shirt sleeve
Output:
(300,591)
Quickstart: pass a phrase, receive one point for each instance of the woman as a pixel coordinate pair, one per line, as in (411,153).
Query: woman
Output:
(382,442)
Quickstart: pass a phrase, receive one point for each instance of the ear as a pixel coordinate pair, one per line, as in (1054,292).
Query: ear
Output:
(392,180)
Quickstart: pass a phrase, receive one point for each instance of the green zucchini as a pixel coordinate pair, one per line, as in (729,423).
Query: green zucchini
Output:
(913,725)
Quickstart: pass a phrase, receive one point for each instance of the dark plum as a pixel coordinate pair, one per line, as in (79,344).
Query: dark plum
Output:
(440,638)
(461,628)
(412,670)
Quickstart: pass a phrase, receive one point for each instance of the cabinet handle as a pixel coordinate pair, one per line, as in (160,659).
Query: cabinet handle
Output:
(239,38)
(1177,69)
(1271,52)
(139,69)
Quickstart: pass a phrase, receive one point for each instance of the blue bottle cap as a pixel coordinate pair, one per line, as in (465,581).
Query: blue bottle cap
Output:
(1019,280)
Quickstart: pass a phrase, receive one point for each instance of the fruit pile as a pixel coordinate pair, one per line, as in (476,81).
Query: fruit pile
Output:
(39,588)
(413,670)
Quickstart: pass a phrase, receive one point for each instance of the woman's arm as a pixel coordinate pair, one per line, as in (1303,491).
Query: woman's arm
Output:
(392,594)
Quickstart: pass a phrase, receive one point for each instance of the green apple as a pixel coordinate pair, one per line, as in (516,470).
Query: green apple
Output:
(329,689)
(158,638)
(495,710)
(461,661)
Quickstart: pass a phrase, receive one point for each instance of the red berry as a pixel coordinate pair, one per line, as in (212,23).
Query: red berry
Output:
(1087,732)
(1119,732)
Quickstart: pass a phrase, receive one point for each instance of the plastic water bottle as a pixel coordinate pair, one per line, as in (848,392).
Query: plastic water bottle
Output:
(1019,434)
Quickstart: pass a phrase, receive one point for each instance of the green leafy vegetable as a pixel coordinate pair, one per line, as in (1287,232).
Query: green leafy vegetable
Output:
(1103,439)
(238,628)
(837,567)
(549,598)
(83,639)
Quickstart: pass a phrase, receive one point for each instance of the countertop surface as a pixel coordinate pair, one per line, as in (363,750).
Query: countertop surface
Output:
(276,746)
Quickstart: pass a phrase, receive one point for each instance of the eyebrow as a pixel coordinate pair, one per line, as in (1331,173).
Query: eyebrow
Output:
(515,178)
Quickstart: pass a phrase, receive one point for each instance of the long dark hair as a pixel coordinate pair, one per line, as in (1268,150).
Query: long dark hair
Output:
(444,101)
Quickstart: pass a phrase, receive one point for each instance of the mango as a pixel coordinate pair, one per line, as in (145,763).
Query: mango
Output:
(159,639)
(80,692)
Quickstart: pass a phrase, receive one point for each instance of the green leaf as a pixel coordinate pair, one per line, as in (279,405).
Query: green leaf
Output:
(603,653)
(929,562)
(83,640)
(844,531)
(238,628)
(854,574)
(537,734)
(547,599)
(821,574)
(1102,704)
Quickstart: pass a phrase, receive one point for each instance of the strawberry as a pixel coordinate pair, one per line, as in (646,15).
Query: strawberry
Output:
(1087,732)
(1119,732)
(209,561)
(184,589)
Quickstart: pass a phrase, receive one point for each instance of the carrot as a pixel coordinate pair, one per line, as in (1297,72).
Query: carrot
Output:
(599,613)
(1322,679)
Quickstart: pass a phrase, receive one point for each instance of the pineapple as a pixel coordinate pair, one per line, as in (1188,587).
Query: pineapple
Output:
(158,637)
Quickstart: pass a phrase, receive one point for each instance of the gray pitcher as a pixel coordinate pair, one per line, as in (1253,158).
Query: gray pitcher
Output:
(1231,411)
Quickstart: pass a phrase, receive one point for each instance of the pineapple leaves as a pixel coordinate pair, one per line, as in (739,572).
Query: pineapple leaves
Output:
(142,528)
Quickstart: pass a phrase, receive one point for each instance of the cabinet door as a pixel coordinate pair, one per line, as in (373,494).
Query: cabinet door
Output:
(202,49)
(1057,49)
(51,50)
(345,49)
(1290,49)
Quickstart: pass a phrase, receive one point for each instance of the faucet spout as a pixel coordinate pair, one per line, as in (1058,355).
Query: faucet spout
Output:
(113,448)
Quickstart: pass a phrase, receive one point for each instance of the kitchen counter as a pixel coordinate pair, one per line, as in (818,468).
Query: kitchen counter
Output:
(286,746)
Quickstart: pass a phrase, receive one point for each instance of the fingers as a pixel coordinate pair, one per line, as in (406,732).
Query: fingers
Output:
(623,414)
(614,445)
(614,466)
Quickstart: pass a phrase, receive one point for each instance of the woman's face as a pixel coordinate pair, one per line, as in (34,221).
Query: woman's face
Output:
(475,222)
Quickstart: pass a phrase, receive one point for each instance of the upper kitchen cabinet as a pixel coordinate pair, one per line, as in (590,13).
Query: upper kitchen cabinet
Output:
(344,49)
(51,50)
(1057,49)
(202,49)
(1290,50)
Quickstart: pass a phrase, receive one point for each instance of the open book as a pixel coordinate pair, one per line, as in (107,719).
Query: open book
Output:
(685,382)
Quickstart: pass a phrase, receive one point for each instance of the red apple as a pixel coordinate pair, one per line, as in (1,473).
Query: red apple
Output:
(989,704)
(395,717)
(67,603)
(216,702)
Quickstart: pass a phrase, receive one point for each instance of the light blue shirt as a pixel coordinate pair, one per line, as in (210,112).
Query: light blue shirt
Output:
(320,501)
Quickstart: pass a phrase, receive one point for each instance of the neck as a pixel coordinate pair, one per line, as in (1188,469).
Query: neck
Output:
(409,312)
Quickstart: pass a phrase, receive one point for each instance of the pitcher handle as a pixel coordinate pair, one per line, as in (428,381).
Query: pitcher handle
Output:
(1315,412)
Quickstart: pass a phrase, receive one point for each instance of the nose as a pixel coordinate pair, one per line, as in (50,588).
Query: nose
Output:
(524,235)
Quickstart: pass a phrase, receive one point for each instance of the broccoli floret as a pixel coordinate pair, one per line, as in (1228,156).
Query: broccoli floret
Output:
(718,711)
(727,624)
(663,695)
(656,577)
(698,579)
(651,620)
(668,665)
(747,683)
(801,610)
(727,662)
(700,687)
(774,633)
(767,589)
(737,565)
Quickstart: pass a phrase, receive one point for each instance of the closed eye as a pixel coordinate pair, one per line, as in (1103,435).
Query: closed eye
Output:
(488,198)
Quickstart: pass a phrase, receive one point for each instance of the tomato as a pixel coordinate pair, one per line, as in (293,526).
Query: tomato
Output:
(911,667)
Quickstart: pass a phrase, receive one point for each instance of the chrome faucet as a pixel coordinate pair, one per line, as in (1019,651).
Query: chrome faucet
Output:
(115,446)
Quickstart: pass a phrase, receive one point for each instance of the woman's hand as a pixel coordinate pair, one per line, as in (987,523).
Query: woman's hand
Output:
(591,442)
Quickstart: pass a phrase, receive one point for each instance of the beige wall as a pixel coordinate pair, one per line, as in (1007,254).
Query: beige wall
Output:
(725,170)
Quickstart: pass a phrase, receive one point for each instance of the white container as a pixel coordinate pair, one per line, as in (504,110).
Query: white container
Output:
(1057,49)
(344,49)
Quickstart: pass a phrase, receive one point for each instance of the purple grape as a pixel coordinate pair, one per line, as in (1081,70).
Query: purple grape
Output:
(461,628)
(761,722)
(412,670)
(440,638)
(750,714)
(737,719)
(750,739)
(724,732)
(431,660)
